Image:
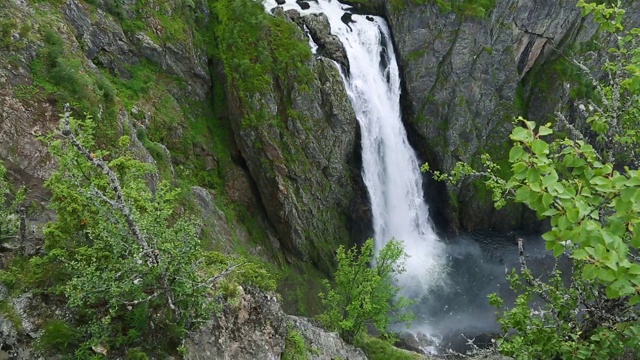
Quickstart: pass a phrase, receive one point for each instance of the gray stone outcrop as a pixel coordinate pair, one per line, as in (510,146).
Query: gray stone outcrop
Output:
(329,45)
(255,328)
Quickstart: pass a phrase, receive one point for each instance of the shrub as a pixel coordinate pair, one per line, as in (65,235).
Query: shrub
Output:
(295,347)
(364,290)
(126,261)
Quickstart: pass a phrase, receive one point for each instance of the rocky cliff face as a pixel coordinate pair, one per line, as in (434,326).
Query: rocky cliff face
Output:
(467,77)
(303,155)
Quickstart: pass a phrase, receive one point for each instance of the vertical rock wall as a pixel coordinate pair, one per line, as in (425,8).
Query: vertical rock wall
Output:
(465,80)
(304,157)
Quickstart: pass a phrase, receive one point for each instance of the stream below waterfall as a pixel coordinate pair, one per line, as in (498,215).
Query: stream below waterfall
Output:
(449,280)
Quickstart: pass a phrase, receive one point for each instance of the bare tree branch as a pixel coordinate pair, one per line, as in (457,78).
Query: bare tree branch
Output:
(119,203)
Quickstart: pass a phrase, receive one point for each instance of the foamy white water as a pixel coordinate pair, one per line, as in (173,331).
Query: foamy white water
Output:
(390,168)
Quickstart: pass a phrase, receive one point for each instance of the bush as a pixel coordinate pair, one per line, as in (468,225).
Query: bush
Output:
(126,261)
(295,348)
(364,290)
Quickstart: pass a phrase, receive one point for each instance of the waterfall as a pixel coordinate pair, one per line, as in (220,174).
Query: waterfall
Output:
(390,167)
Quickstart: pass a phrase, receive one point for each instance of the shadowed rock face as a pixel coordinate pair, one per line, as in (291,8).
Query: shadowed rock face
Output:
(462,76)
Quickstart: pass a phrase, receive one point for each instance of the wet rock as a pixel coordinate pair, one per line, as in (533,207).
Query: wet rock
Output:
(329,45)
(347,19)
(303,5)
(418,342)
(281,2)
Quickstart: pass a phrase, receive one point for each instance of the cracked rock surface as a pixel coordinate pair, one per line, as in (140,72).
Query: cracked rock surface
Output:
(462,76)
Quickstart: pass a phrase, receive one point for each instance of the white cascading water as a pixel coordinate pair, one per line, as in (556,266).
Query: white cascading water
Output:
(390,168)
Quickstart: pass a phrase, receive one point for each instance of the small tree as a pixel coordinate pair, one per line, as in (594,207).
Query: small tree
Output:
(364,290)
(123,256)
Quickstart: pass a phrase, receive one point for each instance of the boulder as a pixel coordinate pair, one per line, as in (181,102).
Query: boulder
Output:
(329,45)
(254,327)
(304,160)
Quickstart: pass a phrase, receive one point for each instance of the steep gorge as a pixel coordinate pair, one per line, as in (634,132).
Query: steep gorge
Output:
(274,165)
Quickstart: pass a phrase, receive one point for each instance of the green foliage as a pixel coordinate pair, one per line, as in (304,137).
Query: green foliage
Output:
(64,77)
(587,201)
(108,279)
(596,209)
(163,21)
(255,50)
(295,347)
(364,290)
(9,221)
(615,116)
(121,293)
(492,177)
(59,336)
(144,78)
(471,8)
(7,310)
(136,354)
(378,349)
(602,329)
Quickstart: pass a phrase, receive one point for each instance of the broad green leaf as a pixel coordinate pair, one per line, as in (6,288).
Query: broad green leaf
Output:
(519,168)
(533,175)
(521,134)
(550,179)
(558,249)
(580,254)
(612,292)
(572,215)
(540,147)
(634,269)
(516,153)
(628,194)
(523,194)
(606,275)
(589,272)
(543,130)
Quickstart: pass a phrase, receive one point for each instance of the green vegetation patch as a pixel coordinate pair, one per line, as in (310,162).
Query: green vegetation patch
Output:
(295,347)
(470,8)
(7,310)
(256,50)
(379,349)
